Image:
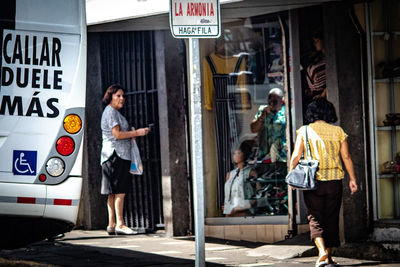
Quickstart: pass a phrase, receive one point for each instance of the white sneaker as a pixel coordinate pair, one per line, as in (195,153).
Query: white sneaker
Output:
(124,230)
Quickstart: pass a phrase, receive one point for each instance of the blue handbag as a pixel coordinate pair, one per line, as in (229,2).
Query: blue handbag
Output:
(302,177)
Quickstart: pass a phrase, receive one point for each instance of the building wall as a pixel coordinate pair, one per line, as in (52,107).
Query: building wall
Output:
(93,209)
(172,100)
(344,70)
(265,233)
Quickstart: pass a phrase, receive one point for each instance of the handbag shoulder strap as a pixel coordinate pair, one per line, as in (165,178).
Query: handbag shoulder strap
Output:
(309,156)
(230,189)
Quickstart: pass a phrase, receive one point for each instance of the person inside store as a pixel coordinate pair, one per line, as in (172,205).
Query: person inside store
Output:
(328,145)
(235,203)
(270,125)
(115,158)
(315,72)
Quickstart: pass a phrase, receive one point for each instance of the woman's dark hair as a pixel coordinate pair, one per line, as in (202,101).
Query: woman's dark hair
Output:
(246,150)
(317,56)
(112,89)
(321,109)
(318,34)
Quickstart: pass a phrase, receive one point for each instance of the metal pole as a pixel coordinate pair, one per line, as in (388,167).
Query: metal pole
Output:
(197,148)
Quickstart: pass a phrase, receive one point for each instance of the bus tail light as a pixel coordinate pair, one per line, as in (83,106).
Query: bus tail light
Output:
(42,177)
(65,145)
(55,167)
(72,123)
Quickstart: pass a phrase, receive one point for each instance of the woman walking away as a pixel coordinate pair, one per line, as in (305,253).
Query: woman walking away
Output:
(328,143)
(115,158)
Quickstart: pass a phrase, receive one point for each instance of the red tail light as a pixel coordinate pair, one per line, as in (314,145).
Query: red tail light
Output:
(65,145)
(42,177)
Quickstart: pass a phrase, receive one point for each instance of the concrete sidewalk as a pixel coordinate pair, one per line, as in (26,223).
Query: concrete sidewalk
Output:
(96,248)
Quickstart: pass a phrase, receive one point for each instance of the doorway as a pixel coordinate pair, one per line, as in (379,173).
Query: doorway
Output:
(128,58)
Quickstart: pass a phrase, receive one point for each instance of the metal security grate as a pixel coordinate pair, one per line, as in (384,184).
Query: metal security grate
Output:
(128,58)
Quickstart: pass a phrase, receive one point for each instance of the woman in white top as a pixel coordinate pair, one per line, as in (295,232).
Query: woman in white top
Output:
(235,204)
(116,158)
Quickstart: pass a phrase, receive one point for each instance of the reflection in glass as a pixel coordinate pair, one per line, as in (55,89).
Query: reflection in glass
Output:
(243,84)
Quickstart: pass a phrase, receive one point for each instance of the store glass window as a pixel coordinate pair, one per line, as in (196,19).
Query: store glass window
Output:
(384,43)
(245,142)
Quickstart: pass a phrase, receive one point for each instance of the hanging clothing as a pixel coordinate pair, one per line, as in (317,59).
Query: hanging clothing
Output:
(223,65)
(225,76)
(234,192)
(316,77)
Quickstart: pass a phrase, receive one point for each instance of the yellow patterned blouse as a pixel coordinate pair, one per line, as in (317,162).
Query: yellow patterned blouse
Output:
(325,141)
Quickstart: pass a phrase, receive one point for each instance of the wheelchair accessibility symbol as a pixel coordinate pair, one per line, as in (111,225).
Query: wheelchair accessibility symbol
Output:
(24,162)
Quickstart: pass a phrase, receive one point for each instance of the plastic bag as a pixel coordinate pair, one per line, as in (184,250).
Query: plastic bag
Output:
(136,161)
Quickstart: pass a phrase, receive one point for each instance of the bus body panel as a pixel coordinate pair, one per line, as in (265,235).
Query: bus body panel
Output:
(76,170)
(43,78)
(38,113)
(39,15)
(63,200)
(22,129)
(22,199)
(20,140)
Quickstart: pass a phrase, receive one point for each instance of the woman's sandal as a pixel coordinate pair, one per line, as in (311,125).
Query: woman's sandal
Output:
(322,261)
(333,264)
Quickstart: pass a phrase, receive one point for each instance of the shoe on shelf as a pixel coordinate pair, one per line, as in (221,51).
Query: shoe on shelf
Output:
(392,119)
(110,230)
(124,230)
(389,167)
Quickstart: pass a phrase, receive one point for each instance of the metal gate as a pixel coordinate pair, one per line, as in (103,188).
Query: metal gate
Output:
(128,58)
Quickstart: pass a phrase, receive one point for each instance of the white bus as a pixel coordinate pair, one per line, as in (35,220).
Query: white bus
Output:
(42,101)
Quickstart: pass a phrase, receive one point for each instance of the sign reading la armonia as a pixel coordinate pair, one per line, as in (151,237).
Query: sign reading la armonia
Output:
(195,18)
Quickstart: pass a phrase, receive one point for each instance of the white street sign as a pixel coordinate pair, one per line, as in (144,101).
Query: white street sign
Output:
(195,18)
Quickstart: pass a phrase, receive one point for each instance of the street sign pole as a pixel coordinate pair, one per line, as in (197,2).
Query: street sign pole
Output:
(196,19)
(197,148)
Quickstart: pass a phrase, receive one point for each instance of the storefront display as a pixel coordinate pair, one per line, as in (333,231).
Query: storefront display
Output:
(243,85)
(384,32)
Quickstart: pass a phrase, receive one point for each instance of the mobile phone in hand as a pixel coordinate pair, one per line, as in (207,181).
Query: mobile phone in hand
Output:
(151,126)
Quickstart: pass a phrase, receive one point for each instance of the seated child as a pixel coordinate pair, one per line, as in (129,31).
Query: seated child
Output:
(235,204)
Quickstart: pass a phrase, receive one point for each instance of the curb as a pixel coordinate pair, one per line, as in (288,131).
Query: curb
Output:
(368,251)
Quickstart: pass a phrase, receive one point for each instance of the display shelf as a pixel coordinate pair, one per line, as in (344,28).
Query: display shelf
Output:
(387,80)
(269,180)
(268,198)
(387,175)
(384,50)
(378,33)
(387,128)
(270,193)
